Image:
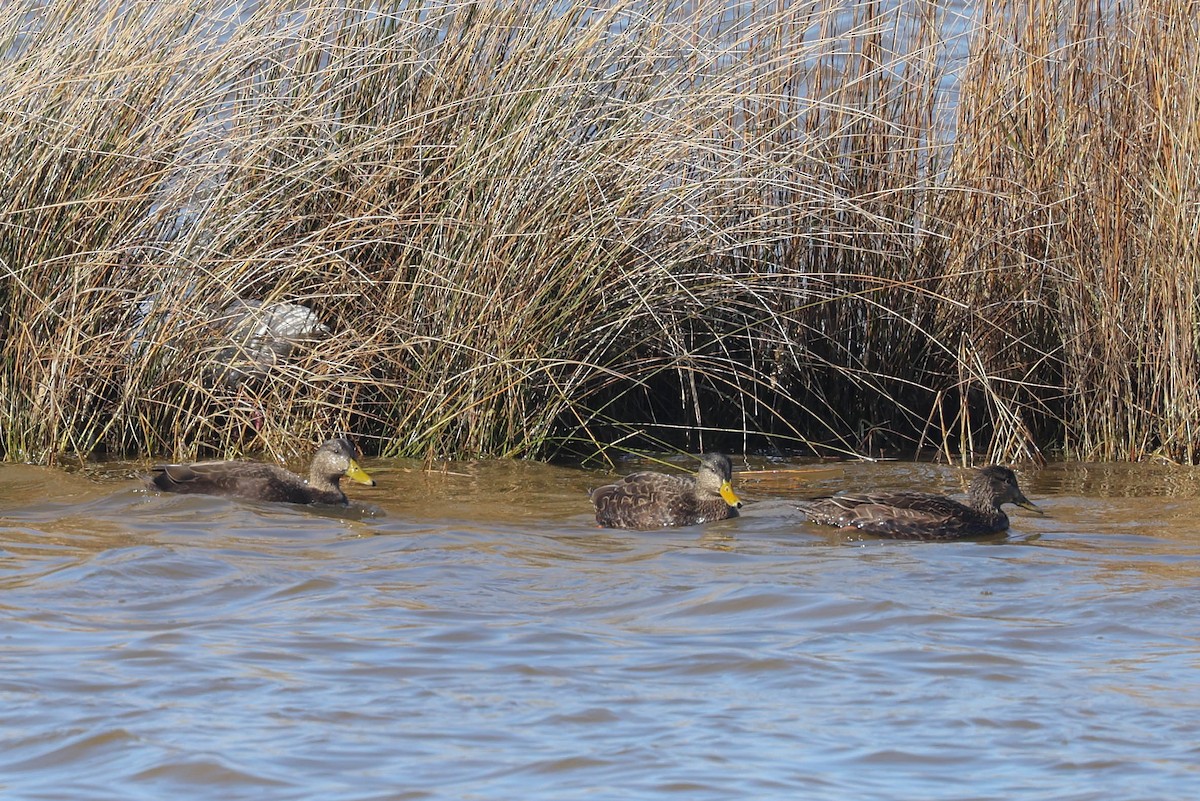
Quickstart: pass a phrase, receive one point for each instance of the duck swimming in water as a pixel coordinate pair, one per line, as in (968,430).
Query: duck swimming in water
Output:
(656,500)
(920,516)
(266,482)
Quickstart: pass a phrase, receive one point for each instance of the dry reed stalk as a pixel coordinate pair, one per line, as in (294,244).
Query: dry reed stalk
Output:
(536,229)
(1076,232)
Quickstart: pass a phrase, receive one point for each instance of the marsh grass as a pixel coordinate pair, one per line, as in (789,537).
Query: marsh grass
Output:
(543,229)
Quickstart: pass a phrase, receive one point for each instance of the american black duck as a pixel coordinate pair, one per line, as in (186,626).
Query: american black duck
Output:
(267,482)
(919,516)
(655,500)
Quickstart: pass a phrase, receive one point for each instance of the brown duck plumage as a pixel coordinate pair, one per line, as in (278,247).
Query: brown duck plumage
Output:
(919,516)
(265,482)
(655,500)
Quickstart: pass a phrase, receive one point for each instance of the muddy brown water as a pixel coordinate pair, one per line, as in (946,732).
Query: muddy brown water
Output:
(469,634)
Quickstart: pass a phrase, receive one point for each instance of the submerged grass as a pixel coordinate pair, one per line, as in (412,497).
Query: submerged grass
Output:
(535,228)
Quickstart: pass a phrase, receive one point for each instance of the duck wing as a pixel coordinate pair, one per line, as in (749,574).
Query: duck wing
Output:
(900,515)
(249,480)
(644,501)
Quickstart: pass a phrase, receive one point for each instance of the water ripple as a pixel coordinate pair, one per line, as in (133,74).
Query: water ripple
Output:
(197,647)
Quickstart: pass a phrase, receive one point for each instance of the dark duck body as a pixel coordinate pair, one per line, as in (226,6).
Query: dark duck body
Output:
(265,482)
(920,516)
(655,500)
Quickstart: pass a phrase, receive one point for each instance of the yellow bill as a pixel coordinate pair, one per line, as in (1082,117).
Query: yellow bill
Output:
(356,473)
(728,494)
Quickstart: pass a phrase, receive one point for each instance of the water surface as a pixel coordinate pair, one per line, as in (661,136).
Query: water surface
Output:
(468,634)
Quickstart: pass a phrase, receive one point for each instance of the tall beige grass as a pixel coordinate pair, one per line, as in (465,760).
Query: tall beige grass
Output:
(1073,225)
(537,229)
